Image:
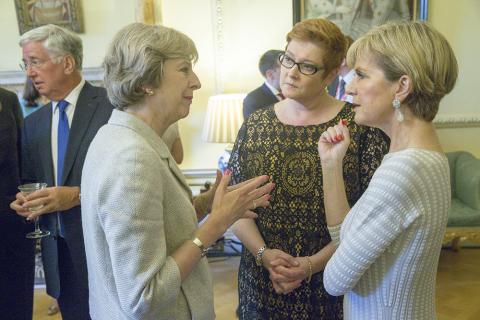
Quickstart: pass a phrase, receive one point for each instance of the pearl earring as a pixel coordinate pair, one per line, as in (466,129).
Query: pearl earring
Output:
(398,113)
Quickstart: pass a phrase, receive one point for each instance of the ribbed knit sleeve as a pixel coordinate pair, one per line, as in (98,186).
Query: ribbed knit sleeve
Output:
(391,236)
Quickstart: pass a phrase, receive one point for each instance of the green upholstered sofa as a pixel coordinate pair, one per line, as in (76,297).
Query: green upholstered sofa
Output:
(464,217)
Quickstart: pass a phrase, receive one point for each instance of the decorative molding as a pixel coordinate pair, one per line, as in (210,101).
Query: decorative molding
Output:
(218,41)
(145,11)
(457,121)
(13,78)
(456,236)
(199,173)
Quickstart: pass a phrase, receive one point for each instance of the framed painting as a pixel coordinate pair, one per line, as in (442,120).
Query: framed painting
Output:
(355,17)
(35,13)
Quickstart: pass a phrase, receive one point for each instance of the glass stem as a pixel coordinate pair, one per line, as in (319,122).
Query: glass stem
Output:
(37,224)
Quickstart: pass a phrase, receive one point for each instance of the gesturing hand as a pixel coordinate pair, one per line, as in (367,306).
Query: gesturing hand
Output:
(231,204)
(334,142)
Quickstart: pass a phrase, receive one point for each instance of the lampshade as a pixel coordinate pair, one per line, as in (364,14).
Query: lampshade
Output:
(224,118)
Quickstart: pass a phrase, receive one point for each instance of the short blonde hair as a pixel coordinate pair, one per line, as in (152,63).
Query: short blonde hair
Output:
(136,58)
(324,34)
(417,50)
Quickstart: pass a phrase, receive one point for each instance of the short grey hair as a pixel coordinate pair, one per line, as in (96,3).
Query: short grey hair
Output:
(136,58)
(57,41)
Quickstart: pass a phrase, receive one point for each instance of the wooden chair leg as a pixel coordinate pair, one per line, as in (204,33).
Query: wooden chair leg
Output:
(456,244)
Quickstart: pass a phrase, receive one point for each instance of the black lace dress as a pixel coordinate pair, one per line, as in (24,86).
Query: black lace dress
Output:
(295,223)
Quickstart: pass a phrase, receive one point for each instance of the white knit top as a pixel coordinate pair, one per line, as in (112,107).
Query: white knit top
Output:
(386,262)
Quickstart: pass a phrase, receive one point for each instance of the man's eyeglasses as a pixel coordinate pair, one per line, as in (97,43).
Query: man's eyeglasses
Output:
(34,63)
(304,68)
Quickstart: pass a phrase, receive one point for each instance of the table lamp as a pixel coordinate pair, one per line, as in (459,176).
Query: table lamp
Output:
(223,120)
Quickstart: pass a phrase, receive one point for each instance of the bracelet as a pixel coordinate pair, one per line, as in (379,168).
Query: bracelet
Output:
(200,246)
(309,270)
(259,255)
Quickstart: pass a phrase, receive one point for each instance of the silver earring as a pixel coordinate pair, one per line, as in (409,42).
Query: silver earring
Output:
(398,113)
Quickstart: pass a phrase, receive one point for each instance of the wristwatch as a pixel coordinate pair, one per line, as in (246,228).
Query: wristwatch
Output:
(200,246)
(259,255)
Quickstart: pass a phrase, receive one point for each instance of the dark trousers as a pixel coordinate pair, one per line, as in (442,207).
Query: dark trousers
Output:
(17,267)
(73,302)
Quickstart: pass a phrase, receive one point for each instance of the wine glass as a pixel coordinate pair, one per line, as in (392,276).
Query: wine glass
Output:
(26,189)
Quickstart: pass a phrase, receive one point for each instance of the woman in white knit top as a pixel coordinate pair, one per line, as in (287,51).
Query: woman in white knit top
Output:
(389,241)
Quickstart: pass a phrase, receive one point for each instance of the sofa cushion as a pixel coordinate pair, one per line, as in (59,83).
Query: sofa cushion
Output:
(467,180)
(452,159)
(461,215)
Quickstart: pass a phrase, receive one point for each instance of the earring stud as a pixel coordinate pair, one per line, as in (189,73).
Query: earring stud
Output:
(398,113)
(149,91)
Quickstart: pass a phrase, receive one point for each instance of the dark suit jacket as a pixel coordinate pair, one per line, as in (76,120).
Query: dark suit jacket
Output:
(11,120)
(257,99)
(91,112)
(332,88)
(16,251)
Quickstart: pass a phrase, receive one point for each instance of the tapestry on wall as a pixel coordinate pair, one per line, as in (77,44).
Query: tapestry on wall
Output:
(35,13)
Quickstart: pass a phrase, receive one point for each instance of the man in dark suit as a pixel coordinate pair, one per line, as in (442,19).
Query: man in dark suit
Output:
(269,92)
(338,86)
(54,145)
(16,252)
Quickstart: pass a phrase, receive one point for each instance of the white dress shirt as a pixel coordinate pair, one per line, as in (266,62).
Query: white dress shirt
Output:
(274,91)
(72,99)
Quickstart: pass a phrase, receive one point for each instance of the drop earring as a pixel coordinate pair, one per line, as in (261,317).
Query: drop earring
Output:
(398,113)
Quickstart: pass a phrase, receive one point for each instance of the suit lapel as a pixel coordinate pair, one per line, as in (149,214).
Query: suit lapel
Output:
(179,175)
(84,111)
(269,93)
(45,144)
(164,153)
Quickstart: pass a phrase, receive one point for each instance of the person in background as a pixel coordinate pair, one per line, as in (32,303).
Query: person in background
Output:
(389,242)
(287,247)
(145,250)
(55,140)
(269,92)
(31,100)
(345,75)
(17,257)
(172,139)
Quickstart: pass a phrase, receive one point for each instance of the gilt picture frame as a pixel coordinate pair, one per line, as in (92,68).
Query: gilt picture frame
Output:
(34,13)
(355,17)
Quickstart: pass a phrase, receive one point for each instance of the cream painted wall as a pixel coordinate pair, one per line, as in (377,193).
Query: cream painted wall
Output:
(101,20)
(251,27)
(459,21)
(248,29)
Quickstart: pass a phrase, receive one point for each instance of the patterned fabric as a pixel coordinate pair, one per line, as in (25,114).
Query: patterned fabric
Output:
(390,241)
(295,223)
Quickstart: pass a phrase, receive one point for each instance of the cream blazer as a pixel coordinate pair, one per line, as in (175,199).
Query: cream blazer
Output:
(136,211)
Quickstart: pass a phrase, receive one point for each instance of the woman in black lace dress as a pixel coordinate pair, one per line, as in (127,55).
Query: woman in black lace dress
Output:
(287,247)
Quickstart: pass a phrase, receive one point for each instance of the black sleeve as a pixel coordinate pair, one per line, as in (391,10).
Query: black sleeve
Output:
(237,156)
(374,145)
(248,107)
(10,122)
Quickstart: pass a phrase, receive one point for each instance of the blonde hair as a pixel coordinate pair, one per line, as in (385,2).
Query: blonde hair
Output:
(417,50)
(324,34)
(136,58)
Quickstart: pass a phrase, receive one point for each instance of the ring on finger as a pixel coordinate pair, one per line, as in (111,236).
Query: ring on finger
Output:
(254,205)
